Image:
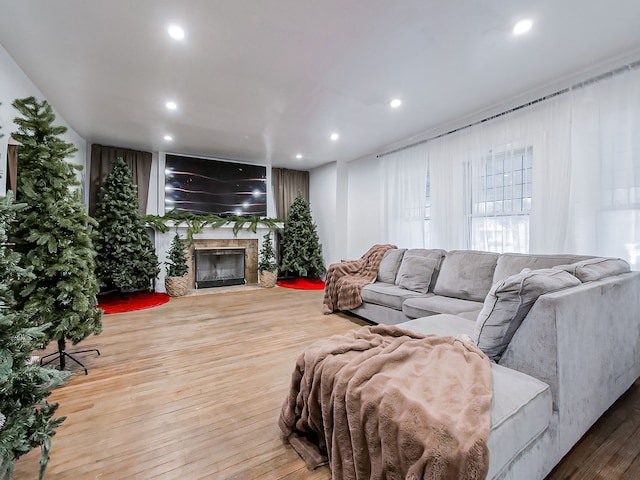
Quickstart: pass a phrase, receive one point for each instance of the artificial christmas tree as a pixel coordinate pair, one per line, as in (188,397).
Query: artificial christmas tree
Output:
(26,419)
(53,233)
(176,280)
(301,250)
(267,266)
(126,258)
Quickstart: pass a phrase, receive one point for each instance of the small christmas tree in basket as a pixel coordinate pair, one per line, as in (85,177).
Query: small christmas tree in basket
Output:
(176,280)
(267,266)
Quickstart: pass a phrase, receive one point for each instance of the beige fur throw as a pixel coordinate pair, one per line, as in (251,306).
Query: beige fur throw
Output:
(344,281)
(384,403)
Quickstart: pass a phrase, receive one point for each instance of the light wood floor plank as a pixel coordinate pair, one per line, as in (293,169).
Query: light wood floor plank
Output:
(192,390)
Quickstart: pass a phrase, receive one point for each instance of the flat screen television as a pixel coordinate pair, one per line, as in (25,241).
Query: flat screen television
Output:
(212,186)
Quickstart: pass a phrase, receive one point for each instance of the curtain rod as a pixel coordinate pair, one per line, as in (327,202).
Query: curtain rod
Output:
(590,81)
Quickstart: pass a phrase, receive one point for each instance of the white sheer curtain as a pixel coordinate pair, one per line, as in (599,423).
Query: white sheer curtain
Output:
(583,185)
(449,227)
(405,183)
(475,178)
(605,187)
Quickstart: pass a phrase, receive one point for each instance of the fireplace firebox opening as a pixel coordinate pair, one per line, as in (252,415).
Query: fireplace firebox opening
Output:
(218,267)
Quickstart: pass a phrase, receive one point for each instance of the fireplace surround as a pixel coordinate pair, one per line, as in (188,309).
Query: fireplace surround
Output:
(209,238)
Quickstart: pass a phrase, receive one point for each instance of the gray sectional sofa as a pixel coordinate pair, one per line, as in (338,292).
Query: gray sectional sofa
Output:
(563,332)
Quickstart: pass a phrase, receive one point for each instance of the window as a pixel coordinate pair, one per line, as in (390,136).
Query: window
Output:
(501,201)
(219,187)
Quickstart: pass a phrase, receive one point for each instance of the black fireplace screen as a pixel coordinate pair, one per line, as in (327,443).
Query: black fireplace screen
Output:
(219,267)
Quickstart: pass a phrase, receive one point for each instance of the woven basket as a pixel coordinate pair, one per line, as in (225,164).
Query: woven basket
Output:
(176,286)
(268,279)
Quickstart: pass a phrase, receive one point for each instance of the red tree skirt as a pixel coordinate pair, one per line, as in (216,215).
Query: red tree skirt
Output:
(128,302)
(302,283)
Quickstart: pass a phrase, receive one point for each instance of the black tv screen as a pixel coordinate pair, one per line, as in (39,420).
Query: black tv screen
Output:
(205,186)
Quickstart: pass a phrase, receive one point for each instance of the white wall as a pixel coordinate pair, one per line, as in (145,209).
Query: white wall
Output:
(323,202)
(14,83)
(346,204)
(366,208)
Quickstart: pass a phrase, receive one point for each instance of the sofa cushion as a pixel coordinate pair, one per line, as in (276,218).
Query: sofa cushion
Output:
(596,268)
(422,306)
(508,303)
(444,325)
(466,274)
(389,265)
(415,273)
(521,409)
(387,295)
(433,253)
(513,263)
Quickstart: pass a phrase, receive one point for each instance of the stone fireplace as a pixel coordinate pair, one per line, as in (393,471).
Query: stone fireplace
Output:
(212,238)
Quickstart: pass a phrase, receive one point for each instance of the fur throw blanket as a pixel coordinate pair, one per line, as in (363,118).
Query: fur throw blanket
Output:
(344,281)
(385,403)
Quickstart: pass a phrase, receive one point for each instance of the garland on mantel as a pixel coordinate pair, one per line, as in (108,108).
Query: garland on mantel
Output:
(195,223)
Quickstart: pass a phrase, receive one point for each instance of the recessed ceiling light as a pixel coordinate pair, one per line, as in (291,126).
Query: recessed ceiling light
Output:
(395,103)
(168,138)
(299,156)
(176,32)
(334,136)
(171,105)
(523,26)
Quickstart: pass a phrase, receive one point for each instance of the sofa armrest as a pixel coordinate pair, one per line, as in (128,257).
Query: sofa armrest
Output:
(584,342)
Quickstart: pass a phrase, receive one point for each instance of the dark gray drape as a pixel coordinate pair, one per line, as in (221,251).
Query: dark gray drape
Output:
(102,159)
(12,168)
(286,186)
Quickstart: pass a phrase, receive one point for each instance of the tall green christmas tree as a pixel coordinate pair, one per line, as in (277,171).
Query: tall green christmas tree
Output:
(26,419)
(301,250)
(126,260)
(53,231)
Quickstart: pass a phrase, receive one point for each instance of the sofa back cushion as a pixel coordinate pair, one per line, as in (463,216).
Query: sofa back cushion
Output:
(509,301)
(513,263)
(389,265)
(415,273)
(466,274)
(596,268)
(434,254)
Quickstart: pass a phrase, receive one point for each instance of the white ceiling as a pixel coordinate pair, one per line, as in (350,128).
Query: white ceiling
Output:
(261,81)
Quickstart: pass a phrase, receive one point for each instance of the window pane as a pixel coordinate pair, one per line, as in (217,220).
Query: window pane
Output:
(501,200)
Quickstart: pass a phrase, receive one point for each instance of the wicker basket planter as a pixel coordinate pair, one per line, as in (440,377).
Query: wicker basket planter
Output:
(176,286)
(268,279)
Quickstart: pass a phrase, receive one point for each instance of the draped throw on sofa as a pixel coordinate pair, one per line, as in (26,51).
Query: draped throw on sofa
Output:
(102,159)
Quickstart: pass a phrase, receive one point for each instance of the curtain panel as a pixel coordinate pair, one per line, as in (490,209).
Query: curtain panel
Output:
(102,159)
(287,184)
(605,186)
(404,195)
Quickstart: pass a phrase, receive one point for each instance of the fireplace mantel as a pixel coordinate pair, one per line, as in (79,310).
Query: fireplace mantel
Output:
(225,232)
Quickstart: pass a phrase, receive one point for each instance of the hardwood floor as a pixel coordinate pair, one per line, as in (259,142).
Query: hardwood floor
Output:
(192,390)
